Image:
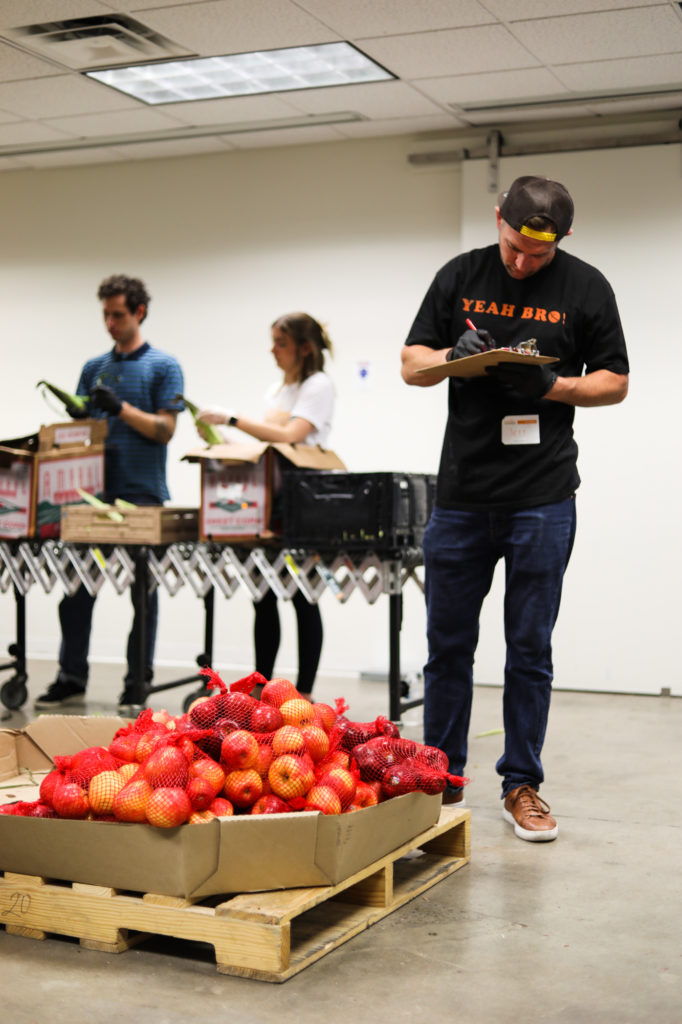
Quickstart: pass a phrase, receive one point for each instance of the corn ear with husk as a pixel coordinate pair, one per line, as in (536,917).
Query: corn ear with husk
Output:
(75,401)
(209,432)
(104,509)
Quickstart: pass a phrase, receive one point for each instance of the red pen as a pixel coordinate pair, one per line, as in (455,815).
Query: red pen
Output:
(470,325)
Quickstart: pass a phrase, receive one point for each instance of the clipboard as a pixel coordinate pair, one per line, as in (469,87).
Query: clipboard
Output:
(475,366)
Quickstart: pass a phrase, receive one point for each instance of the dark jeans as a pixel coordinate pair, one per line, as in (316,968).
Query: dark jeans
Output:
(75,617)
(267,634)
(461,550)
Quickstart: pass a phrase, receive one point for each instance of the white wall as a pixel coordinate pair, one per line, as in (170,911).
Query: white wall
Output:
(353,234)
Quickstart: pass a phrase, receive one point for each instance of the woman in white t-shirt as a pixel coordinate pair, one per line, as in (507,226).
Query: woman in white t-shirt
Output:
(299,409)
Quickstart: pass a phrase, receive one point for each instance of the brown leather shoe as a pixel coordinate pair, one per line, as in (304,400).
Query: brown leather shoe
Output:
(529,814)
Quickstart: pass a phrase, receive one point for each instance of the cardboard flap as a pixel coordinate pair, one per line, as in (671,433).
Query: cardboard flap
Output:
(9,455)
(9,763)
(305,456)
(229,453)
(300,455)
(52,735)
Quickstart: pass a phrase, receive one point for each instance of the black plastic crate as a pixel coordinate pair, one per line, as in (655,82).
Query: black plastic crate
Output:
(376,511)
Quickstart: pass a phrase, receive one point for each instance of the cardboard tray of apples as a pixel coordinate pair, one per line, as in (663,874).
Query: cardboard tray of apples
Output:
(281,787)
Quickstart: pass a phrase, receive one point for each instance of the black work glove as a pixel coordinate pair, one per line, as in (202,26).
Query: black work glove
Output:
(106,400)
(527,381)
(471,343)
(76,412)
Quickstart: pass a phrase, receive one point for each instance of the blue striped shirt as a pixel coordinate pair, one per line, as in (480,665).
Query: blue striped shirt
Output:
(149,380)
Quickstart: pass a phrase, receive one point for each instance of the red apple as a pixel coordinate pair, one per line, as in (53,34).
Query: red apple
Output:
(323,798)
(102,790)
(265,756)
(243,787)
(207,768)
(166,766)
(325,715)
(316,742)
(148,743)
(341,780)
(288,740)
(365,795)
(124,747)
(297,711)
(130,803)
(289,776)
(47,786)
(239,750)
(277,691)
(265,718)
(201,793)
(200,817)
(221,807)
(70,800)
(168,807)
(270,804)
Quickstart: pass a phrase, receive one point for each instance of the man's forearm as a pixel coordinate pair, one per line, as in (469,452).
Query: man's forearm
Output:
(599,388)
(155,426)
(416,357)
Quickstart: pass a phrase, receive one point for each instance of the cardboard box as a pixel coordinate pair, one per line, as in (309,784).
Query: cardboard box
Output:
(475,366)
(42,472)
(147,524)
(240,854)
(239,481)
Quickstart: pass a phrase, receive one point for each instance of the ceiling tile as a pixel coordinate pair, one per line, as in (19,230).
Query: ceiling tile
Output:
(231,109)
(15,64)
(14,13)
(374,100)
(628,73)
(400,126)
(518,10)
(495,85)
(284,137)
(119,122)
(6,118)
(25,132)
(631,33)
(462,50)
(12,163)
(64,94)
(356,18)
(234,26)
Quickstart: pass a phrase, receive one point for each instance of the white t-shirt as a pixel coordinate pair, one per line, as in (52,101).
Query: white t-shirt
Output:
(313,400)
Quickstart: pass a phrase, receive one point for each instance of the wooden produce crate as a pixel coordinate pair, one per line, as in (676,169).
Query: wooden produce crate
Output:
(269,936)
(146,524)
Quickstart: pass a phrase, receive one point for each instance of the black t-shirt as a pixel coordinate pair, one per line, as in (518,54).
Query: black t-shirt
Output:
(570,309)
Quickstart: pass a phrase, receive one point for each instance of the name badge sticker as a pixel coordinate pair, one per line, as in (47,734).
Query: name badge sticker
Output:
(523,429)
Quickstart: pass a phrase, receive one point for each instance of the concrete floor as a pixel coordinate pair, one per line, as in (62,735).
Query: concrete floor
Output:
(585,929)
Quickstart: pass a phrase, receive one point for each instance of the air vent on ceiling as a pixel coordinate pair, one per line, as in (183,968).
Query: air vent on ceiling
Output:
(100,41)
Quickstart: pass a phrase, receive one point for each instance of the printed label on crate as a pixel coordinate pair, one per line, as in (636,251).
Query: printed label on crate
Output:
(234,501)
(15,499)
(58,483)
(79,433)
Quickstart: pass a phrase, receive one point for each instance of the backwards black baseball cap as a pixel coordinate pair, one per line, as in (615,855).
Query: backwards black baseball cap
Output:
(531,196)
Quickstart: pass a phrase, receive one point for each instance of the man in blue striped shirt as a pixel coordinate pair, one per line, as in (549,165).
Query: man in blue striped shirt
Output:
(134,386)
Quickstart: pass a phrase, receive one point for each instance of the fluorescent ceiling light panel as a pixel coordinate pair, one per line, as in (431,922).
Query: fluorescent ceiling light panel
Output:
(244,74)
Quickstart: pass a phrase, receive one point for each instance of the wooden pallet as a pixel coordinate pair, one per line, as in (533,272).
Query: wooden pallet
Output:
(268,935)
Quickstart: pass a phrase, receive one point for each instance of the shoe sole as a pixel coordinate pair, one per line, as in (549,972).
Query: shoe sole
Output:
(130,710)
(455,804)
(530,835)
(51,705)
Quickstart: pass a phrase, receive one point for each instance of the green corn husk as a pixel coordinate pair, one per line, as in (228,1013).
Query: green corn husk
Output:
(212,435)
(104,509)
(77,401)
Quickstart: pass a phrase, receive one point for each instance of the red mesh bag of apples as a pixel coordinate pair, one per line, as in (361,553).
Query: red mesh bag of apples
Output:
(232,753)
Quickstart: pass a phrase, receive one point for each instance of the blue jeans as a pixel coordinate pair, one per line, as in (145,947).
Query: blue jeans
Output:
(75,617)
(461,550)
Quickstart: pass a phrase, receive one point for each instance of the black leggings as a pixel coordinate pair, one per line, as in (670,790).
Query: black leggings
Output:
(267,634)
